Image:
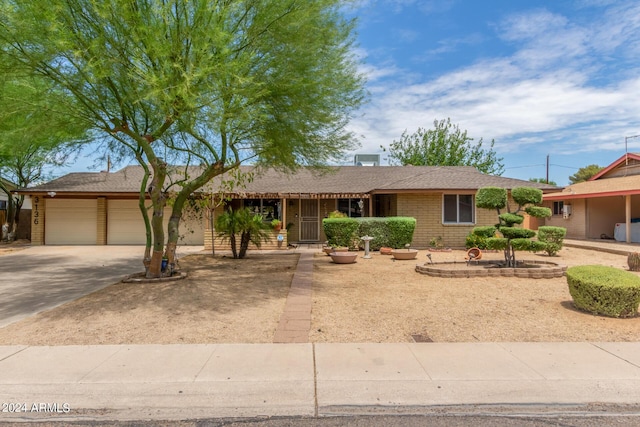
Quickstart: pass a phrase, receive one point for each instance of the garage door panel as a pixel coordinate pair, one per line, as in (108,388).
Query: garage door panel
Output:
(125,225)
(71,222)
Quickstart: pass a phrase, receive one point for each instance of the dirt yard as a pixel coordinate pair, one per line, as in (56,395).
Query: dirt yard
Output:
(373,300)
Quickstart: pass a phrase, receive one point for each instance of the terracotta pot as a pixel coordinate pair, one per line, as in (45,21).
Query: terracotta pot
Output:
(403,254)
(385,250)
(344,257)
(327,250)
(341,249)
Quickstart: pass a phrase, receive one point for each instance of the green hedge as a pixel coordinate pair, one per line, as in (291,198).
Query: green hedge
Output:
(604,290)
(340,231)
(376,228)
(394,232)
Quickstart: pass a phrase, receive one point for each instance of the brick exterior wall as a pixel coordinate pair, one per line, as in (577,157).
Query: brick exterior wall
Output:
(224,246)
(427,210)
(37,220)
(576,224)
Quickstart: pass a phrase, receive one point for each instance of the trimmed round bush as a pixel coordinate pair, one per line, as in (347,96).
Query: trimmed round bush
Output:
(525,195)
(600,289)
(491,198)
(552,237)
(510,218)
(517,233)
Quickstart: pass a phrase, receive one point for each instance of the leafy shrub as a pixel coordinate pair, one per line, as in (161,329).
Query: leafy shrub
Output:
(517,233)
(526,195)
(340,231)
(394,232)
(475,241)
(376,228)
(337,214)
(513,238)
(509,218)
(552,237)
(491,198)
(401,230)
(604,290)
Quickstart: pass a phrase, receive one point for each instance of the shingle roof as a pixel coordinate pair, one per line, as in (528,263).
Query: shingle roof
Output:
(338,180)
(604,187)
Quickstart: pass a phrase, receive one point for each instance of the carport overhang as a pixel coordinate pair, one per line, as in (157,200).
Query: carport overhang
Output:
(570,195)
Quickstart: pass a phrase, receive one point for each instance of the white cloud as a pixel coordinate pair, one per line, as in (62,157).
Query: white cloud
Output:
(553,90)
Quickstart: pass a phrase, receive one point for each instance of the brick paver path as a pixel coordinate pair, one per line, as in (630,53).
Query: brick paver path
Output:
(295,321)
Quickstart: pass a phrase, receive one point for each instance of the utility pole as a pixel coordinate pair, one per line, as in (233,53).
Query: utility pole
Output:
(547,168)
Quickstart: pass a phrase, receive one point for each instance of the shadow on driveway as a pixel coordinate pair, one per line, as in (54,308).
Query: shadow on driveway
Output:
(41,278)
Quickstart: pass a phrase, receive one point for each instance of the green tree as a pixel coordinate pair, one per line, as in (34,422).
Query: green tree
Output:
(542,181)
(200,82)
(584,173)
(33,136)
(513,237)
(444,145)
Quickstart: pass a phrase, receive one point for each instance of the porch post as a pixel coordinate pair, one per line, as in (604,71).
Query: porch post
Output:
(627,212)
(283,203)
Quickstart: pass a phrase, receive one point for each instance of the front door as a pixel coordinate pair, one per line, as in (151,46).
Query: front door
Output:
(309,223)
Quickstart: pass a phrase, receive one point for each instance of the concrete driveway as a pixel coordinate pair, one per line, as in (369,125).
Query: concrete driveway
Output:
(42,277)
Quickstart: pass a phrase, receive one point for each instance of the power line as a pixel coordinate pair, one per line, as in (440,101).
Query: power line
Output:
(522,167)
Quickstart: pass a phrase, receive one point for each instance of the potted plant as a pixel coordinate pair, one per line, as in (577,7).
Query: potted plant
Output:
(437,245)
(276,224)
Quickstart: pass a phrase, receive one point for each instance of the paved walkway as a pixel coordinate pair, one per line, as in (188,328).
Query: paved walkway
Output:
(295,321)
(604,245)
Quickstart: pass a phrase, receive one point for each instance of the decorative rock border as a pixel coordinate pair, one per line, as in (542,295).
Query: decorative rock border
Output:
(139,278)
(547,270)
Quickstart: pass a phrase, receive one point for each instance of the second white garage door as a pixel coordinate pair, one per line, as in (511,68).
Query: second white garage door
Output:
(126,227)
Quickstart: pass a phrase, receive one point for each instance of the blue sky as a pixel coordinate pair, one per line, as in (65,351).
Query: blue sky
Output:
(557,77)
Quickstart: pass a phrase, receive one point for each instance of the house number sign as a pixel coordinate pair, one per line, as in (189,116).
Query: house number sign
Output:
(36,213)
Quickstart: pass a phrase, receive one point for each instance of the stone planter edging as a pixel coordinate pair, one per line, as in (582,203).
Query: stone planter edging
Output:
(438,269)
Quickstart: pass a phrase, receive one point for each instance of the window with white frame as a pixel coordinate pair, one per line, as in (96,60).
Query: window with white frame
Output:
(458,209)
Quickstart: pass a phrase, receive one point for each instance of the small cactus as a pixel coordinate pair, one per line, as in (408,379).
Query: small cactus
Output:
(633,260)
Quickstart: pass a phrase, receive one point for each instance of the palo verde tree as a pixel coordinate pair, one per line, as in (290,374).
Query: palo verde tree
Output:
(33,136)
(444,145)
(199,83)
(513,238)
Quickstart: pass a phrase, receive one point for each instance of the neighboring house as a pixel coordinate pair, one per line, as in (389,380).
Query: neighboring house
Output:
(24,228)
(606,206)
(101,208)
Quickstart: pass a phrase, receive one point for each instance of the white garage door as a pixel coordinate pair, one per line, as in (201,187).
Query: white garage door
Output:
(70,222)
(126,227)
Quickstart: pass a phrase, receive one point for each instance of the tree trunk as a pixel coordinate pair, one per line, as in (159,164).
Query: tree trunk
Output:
(232,242)
(244,243)
(158,201)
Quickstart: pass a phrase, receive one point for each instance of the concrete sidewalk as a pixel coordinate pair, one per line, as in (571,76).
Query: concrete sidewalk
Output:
(133,382)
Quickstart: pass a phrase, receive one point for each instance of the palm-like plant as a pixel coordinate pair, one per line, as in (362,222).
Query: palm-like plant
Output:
(250,227)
